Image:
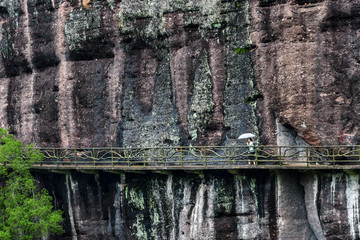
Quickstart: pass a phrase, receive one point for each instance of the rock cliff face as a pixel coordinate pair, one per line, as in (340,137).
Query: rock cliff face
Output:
(161,73)
(128,73)
(307,68)
(216,205)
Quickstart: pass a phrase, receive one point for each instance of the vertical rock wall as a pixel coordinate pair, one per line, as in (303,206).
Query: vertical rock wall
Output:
(215,205)
(125,73)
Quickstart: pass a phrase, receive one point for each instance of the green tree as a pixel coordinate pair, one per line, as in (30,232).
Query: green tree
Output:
(26,211)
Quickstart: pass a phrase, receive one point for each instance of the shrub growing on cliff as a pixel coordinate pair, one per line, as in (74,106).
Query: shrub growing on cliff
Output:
(25,210)
(244,49)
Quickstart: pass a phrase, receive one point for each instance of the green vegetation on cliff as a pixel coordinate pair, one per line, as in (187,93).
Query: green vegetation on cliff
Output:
(25,210)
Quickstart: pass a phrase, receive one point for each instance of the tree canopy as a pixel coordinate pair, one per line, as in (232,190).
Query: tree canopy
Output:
(26,211)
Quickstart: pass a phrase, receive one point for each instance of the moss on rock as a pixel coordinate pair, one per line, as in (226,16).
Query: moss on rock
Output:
(202,103)
(82,26)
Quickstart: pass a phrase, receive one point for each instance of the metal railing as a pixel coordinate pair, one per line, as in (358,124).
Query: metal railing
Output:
(201,157)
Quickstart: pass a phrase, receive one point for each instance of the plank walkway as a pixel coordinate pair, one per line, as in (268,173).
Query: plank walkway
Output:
(195,158)
(217,167)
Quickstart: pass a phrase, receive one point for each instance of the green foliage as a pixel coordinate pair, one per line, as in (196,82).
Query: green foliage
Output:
(26,211)
(238,3)
(244,49)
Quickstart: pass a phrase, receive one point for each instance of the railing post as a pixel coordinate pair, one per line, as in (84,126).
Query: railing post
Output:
(128,159)
(162,156)
(280,156)
(75,152)
(181,157)
(93,151)
(112,157)
(43,158)
(229,151)
(57,157)
(144,156)
(333,153)
(256,156)
(307,156)
(205,158)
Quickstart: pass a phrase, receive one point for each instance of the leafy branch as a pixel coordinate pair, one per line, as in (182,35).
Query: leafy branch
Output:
(26,212)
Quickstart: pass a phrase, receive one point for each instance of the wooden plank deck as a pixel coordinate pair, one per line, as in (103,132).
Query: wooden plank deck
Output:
(194,167)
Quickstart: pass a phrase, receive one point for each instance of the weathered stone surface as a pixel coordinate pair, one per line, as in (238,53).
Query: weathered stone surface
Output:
(111,73)
(292,215)
(218,205)
(176,206)
(307,68)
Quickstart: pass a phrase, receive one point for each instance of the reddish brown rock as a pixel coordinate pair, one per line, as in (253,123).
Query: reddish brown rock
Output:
(307,68)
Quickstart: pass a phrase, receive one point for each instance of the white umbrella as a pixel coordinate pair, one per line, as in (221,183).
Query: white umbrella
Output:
(246,135)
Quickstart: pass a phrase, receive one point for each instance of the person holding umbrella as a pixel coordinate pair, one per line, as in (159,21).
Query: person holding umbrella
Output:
(250,144)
